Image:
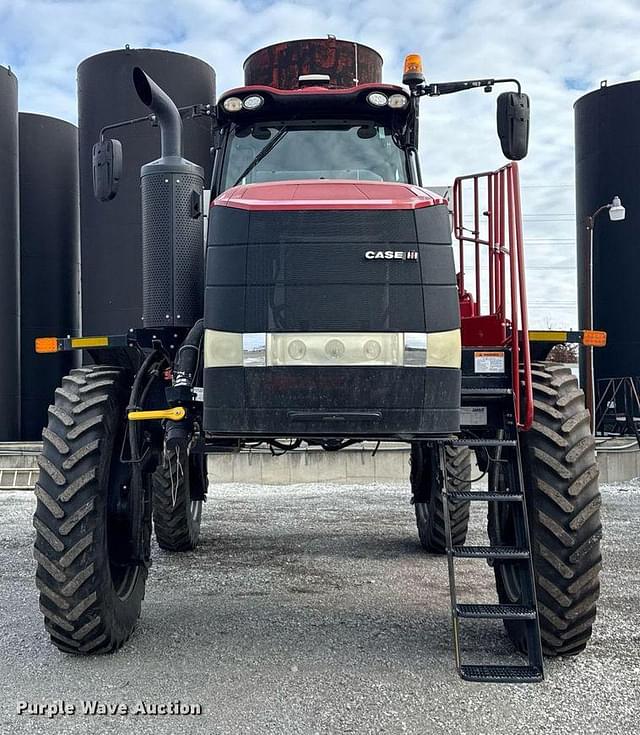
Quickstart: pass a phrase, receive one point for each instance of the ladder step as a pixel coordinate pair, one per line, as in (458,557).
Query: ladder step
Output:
(486,391)
(506,674)
(489,552)
(464,495)
(500,612)
(481,442)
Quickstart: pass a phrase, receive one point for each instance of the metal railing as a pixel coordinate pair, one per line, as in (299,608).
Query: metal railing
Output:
(495,235)
(18,478)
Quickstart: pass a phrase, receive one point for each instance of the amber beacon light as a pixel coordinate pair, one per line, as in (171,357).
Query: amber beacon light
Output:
(412,72)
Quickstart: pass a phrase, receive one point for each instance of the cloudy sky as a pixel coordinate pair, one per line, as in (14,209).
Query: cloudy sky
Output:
(559,49)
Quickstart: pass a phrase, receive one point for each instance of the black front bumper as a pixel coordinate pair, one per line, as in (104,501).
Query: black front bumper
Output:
(356,402)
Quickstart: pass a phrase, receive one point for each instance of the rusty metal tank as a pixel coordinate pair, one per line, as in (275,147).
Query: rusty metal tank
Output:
(345,62)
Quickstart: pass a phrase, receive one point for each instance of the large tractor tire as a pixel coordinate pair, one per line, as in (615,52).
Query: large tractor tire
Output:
(90,591)
(426,489)
(563,506)
(179,489)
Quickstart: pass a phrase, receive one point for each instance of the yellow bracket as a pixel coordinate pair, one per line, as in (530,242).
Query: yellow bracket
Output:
(173,414)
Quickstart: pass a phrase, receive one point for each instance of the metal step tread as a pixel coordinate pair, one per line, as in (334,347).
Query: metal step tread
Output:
(462,495)
(490,552)
(481,442)
(500,612)
(486,391)
(513,674)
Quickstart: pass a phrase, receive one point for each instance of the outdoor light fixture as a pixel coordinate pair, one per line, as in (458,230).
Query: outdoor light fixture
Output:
(616,214)
(253,102)
(398,101)
(616,211)
(377,99)
(232,104)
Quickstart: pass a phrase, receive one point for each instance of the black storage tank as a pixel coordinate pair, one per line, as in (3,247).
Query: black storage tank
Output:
(607,125)
(10,260)
(49,258)
(111,232)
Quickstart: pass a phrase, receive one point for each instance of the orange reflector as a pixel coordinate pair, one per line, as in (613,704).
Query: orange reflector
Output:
(46,344)
(592,338)
(413,64)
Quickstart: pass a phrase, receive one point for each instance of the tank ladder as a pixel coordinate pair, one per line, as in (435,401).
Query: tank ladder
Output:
(520,555)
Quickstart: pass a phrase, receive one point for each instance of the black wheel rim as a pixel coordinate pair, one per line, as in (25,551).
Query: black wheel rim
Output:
(196,510)
(509,573)
(124,572)
(507,535)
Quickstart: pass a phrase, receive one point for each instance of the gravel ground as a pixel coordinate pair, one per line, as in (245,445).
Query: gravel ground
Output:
(311,609)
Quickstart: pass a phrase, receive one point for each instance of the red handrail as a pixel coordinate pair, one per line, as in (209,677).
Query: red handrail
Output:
(496,195)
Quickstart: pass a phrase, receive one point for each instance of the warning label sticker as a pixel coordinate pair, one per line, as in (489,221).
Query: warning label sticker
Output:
(488,362)
(473,416)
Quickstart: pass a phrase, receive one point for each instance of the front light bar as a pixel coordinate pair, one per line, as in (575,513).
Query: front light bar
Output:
(315,349)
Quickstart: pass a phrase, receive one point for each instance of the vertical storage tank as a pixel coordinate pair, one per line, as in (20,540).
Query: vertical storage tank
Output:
(111,232)
(9,260)
(607,125)
(49,258)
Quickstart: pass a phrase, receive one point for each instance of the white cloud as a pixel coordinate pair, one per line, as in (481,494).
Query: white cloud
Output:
(558,48)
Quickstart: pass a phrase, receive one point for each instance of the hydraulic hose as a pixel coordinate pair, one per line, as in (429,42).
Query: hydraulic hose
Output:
(187,362)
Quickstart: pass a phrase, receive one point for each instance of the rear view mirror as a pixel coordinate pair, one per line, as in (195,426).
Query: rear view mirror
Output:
(513,124)
(107,169)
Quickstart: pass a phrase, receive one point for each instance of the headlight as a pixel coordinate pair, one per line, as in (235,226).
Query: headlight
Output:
(232,104)
(398,101)
(222,349)
(444,349)
(253,102)
(377,99)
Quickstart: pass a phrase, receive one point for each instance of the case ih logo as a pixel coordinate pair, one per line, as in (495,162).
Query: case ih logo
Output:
(391,255)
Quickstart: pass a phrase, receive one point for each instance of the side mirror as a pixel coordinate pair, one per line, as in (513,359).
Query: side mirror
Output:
(513,124)
(107,169)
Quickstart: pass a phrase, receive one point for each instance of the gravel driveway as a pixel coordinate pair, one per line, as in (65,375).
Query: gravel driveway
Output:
(311,609)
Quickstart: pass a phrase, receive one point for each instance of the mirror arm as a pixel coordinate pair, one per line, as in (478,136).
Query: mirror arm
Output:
(439,88)
(122,124)
(186,113)
(510,81)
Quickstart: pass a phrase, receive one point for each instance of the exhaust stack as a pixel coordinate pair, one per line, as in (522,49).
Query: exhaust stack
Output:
(172,220)
(163,107)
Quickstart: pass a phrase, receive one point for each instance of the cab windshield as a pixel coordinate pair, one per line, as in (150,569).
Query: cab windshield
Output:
(362,151)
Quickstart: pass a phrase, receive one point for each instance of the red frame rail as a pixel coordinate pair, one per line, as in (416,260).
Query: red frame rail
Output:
(495,196)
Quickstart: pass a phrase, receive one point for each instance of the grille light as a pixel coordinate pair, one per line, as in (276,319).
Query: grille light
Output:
(346,348)
(232,104)
(297,349)
(372,349)
(335,349)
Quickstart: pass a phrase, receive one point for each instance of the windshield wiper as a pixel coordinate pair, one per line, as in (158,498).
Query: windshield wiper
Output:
(263,153)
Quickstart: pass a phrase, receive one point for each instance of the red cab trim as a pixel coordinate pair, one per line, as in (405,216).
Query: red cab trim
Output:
(327,194)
